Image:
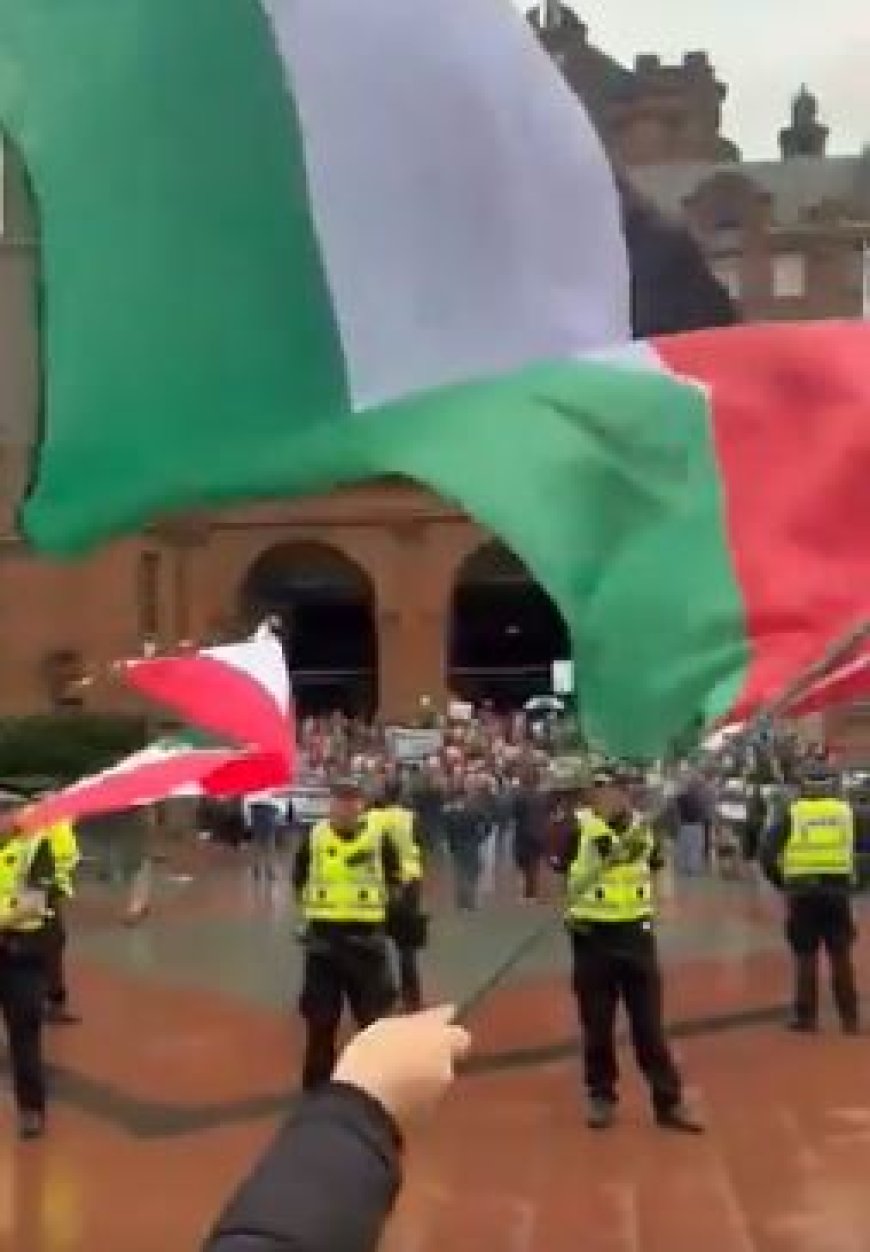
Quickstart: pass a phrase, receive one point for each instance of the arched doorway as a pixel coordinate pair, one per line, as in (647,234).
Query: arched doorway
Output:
(505,631)
(324,604)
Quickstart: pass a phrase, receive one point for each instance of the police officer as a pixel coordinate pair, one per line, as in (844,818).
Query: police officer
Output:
(610,861)
(65,851)
(406,923)
(27,875)
(345,871)
(809,854)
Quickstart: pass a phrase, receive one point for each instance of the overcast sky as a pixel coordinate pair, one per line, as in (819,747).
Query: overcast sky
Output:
(762,49)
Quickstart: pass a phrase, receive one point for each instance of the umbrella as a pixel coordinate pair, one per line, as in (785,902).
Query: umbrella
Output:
(544,704)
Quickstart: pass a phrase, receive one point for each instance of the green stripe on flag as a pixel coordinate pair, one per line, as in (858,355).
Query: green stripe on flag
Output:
(187,146)
(605,482)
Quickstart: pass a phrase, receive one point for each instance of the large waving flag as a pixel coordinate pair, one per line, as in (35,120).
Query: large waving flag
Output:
(166,770)
(262,217)
(388,245)
(238,691)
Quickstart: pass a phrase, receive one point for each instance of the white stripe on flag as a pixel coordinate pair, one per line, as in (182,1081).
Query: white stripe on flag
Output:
(466,213)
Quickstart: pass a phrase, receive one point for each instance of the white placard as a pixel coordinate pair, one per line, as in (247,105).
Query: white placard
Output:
(563,678)
(459,711)
(413,744)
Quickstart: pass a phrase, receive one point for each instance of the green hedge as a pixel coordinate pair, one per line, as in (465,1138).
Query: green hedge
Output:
(41,751)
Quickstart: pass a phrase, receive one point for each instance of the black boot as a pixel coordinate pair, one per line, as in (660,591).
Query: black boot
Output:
(845,990)
(31,1125)
(680,1119)
(600,1114)
(806,994)
(60,1015)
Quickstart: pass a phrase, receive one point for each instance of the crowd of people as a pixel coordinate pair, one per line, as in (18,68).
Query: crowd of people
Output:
(602,829)
(487,790)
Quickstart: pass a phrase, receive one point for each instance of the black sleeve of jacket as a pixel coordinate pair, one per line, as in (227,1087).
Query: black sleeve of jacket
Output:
(392,863)
(42,875)
(657,856)
(772,846)
(301,864)
(563,859)
(326,1184)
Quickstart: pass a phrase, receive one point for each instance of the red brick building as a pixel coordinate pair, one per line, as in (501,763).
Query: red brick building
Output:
(388,592)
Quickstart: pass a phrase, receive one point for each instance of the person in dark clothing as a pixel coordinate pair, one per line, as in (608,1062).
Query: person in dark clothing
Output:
(426,799)
(27,876)
(407,924)
(861,806)
(329,1180)
(345,871)
(756,820)
(530,814)
(809,854)
(465,828)
(694,814)
(609,863)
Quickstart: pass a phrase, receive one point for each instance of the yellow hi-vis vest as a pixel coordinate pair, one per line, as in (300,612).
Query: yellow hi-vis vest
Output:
(398,825)
(65,850)
(821,842)
(16,861)
(346,880)
(623,892)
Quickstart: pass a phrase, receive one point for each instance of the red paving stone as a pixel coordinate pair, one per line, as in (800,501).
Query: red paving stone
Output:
(184,1047)
(507,1166)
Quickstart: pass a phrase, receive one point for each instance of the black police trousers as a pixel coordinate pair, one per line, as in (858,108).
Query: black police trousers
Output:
(22,987)
(339,969)
(55,948)
(406,928)
(814,920)
(615,962)
(410,991)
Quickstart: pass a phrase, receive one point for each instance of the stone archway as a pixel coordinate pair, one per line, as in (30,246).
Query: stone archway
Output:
(505,631)
(324,603)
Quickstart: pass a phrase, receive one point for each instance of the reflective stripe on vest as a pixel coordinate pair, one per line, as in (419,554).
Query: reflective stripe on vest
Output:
(16,862)
(821,841)
(399,827)
(346,881)
(621,893)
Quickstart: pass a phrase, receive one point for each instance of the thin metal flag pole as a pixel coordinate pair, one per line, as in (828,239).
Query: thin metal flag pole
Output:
(837,654)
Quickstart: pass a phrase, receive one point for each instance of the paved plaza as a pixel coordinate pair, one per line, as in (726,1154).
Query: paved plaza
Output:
(188,1052)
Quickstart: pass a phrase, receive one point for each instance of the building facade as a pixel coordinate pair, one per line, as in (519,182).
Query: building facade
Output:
(386,592)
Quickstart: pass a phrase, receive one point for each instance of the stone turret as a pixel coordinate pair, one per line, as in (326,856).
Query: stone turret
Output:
(805,136)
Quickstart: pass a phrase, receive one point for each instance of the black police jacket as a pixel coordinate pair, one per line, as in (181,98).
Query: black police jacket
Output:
(327,1183)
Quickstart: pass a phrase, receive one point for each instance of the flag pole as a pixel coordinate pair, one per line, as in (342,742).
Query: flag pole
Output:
(836,655)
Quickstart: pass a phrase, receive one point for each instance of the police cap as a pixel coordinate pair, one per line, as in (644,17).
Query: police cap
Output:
(346,789)
(818,775)
(612,774)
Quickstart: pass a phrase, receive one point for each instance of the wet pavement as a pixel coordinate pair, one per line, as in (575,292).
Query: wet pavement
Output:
(188,1054)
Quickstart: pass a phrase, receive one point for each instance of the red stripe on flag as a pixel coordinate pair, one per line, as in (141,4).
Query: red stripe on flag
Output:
(791,426)
(139,781)
(844,685)
(215,697)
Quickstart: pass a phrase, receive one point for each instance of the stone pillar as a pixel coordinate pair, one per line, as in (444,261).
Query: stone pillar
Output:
(411,661)
(413,608)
